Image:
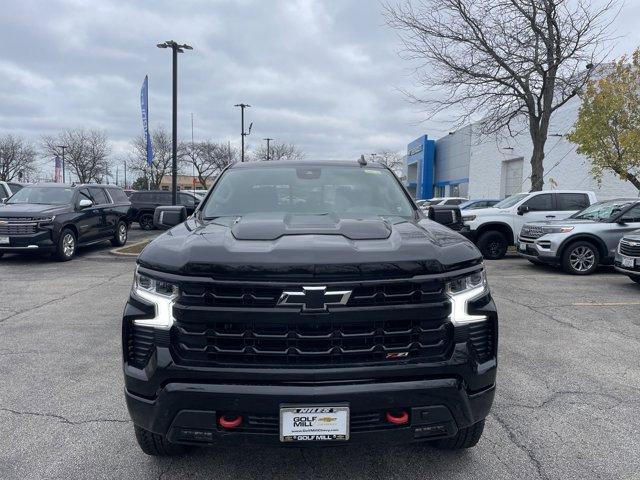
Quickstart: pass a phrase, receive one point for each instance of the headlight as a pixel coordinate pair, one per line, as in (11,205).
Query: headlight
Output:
(161,294)
(463,290)
(43,222)
(554,229)
(468,218)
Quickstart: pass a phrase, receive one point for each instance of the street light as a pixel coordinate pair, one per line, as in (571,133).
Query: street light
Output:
(243,133)
(63,147)
(268,140)
(175,48)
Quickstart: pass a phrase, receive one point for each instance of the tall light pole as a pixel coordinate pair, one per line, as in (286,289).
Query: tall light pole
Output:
(268,141)
(243,133)
(176,49)
(63,147)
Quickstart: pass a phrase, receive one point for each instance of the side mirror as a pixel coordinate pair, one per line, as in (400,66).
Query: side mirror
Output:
(522,209)
(84,203)
(167,217)
(447,215)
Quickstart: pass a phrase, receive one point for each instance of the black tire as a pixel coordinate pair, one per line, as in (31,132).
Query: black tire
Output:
(146,221)
(465,438)
(157,445)
(493,245)
(66,246)
(580,258)
(120,237)
(635,278)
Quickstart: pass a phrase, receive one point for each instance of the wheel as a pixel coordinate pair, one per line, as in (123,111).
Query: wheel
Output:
(580,258)
(635,278)
(465,438)
(493,245)
(66,247)
(146,221)
(120,237)
(157,445)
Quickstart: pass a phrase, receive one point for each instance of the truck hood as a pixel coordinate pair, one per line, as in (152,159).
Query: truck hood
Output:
(311,247)
(30,210)
(486,211)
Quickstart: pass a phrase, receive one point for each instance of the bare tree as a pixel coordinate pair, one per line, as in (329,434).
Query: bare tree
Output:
(515,62)
(393,160)
(162,157)
(208,158)
(16,158)
(278,151)
(86,154)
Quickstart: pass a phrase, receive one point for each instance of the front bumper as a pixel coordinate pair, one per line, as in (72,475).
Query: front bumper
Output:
(632,272)
(39,241)
(544,249)
(188,412)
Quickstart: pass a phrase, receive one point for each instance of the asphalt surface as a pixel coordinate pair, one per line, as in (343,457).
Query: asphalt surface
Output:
(567,404)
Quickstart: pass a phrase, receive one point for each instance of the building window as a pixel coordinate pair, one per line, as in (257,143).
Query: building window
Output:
(454,190)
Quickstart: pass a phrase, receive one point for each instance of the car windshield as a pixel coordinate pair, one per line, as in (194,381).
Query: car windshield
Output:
(43,195)
(511,201)
(308,190)
(601,211)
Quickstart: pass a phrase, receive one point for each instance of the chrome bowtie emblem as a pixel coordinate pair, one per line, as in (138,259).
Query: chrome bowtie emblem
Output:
(314,298)
(633,244)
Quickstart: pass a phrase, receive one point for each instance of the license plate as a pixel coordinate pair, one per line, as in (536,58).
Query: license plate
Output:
(522,247)
(628,262)
(4,240)
(314,423)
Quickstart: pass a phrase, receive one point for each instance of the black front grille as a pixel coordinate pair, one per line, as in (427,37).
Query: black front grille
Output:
(630,248)
(482,339)
(18,229)
(380,323)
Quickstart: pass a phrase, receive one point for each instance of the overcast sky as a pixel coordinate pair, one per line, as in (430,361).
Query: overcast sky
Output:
(321,74)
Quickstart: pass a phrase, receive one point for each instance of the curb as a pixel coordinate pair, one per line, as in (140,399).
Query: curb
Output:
(118,253)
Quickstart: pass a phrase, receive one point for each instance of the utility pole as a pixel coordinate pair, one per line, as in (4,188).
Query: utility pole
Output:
(243,134)
(63,147)
(268,141)
(175,48)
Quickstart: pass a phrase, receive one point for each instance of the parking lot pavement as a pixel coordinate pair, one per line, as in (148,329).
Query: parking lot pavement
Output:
(567,404)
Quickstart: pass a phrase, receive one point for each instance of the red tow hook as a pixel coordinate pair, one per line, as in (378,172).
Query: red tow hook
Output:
(230,421)
(398,419)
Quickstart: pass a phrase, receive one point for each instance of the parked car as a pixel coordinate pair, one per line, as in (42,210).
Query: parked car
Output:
(627,259)
(9,188)
(494,229)
(584,240)
(59,218)
(145,202)
(345,317)
(449,201)
(476,204)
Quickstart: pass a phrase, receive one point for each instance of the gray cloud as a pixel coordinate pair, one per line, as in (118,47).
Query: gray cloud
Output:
(322,74)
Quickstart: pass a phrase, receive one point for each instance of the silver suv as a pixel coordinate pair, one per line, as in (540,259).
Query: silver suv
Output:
(583,241)
(627,259)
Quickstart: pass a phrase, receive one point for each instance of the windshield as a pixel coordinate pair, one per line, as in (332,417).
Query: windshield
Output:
(601,211)
(43,195)
(309,190)
(511,201)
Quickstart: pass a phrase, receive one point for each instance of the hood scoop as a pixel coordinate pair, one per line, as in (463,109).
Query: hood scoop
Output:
(274,226)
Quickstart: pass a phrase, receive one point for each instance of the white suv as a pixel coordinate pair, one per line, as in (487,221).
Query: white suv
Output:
(494,229)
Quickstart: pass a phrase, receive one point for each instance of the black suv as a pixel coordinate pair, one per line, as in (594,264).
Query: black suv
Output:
(58,218)
(308,302)
(144,203)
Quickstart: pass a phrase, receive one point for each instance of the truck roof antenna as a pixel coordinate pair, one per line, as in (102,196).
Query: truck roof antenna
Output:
(362,161)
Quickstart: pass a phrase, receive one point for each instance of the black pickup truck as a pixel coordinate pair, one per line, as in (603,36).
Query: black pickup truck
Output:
(308,303)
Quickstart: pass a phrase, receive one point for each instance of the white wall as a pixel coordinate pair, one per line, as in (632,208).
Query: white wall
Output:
(563,167)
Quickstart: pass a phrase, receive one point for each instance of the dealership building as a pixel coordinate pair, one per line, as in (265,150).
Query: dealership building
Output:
(467,163)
